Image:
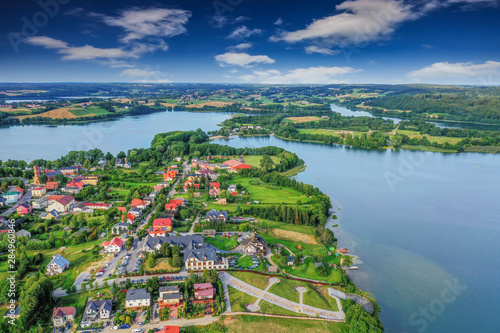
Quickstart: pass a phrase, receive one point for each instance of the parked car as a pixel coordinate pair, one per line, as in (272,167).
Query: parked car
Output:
(114,328)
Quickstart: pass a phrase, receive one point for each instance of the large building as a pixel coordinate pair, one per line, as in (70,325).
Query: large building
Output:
(205,258)
(57,265)
(189,242)
(169,295)
(236,165)
(61,205)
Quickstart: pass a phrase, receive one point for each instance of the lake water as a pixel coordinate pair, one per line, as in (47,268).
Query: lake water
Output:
(424,225)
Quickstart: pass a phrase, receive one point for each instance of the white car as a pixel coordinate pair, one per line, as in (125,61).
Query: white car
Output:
(138,330)
(114,328)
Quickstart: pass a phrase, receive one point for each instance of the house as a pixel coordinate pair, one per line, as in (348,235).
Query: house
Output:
(24,209)
(82,208)
(122,209)
(51,174)
(20,190)
(170,175)
(204,291)
(290,260)
(169,295)
(209,233)
(70,171)
(137,298)
(178,201)
(213,192)
(215,185)
(75,184)
(98,205)
(123,164)
(170,329)
(23,233)
(100,309)
(120,228)
(61,205)
(253,245)
(170,207)
(236,165)
(135,211)
(51,185)
(53,214)
(222,202)
(232,188)
(61,316)
(11,197)
(114,246)
(38,191)
(158,231)
(57,265)
(152,244)
(216,217)
(138,203)
(130,218)
(40,203)
(91,180)
(206,258)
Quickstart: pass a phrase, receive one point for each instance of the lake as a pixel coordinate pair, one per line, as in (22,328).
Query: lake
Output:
(424,225)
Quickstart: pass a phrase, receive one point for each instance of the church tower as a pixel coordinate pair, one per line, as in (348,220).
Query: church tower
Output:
(36,178)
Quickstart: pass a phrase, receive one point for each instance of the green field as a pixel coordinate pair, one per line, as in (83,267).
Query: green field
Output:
(483,149)
(239,299)
(429,148)
(223,243)
(96,110)
(245,261)
(438,139)
(270,194)
(247,323)
(292,227)
(256,280)
(254,160)
(285,289)
(79,300)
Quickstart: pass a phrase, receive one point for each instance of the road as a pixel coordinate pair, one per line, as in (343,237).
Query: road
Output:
(26,197)
(175,322)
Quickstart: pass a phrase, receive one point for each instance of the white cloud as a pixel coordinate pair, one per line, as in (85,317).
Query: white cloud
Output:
(316,49)
(244,32)
(150,22)
(219,20)
(86,52)
(138,72)
(360,21)
(427,46)
(446,70)
(279,21)
(242,59)
(243,46)
(311,75)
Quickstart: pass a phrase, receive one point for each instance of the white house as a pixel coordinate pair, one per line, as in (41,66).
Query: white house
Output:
(137,298)
(114,246)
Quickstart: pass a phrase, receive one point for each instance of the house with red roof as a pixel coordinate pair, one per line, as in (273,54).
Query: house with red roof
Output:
(130,218)
(52,185)
(170,329)
(75,184)
(98,205)
(138,203)
(167,222)
(61,205)
(24,209)
(60,316)
(122,209)
(38,191)
(178,202)
(215,185)
(158,231)
(170,207)
(170,175)
(203,291)
(114,246)
(20,190)
(213,192)
(236,165)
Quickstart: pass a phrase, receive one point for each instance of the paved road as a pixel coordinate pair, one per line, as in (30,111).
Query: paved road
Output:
(174,322)
(26,197)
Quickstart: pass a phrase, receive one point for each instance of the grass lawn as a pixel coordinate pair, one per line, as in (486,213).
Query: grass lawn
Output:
(438,139)
(302,119)
(243,324)
(254,160)
(223,243)
(294,246)
(429,148)
(266,307)
(162,264)
(239,299)
(285,289)
(256,280)
(245,261)
(308,270)
(291,227)
(267,193)
(484,149)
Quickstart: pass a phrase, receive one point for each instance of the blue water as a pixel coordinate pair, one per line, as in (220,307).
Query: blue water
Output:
(417,220)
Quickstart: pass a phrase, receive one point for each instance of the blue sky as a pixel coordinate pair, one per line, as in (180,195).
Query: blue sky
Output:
(251,41)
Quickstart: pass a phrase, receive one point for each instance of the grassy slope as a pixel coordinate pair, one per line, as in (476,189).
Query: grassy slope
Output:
(241,324)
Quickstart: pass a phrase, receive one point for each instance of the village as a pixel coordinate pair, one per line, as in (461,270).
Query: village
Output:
(166,245)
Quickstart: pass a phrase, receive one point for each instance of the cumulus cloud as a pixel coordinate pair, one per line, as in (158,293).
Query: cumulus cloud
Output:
(323,50)
(446,70)
(242,59)
(150,22)
(279,21)
(311,75)
(243,32)
(219,20)
(359,21)
(86,52)
(243,46)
